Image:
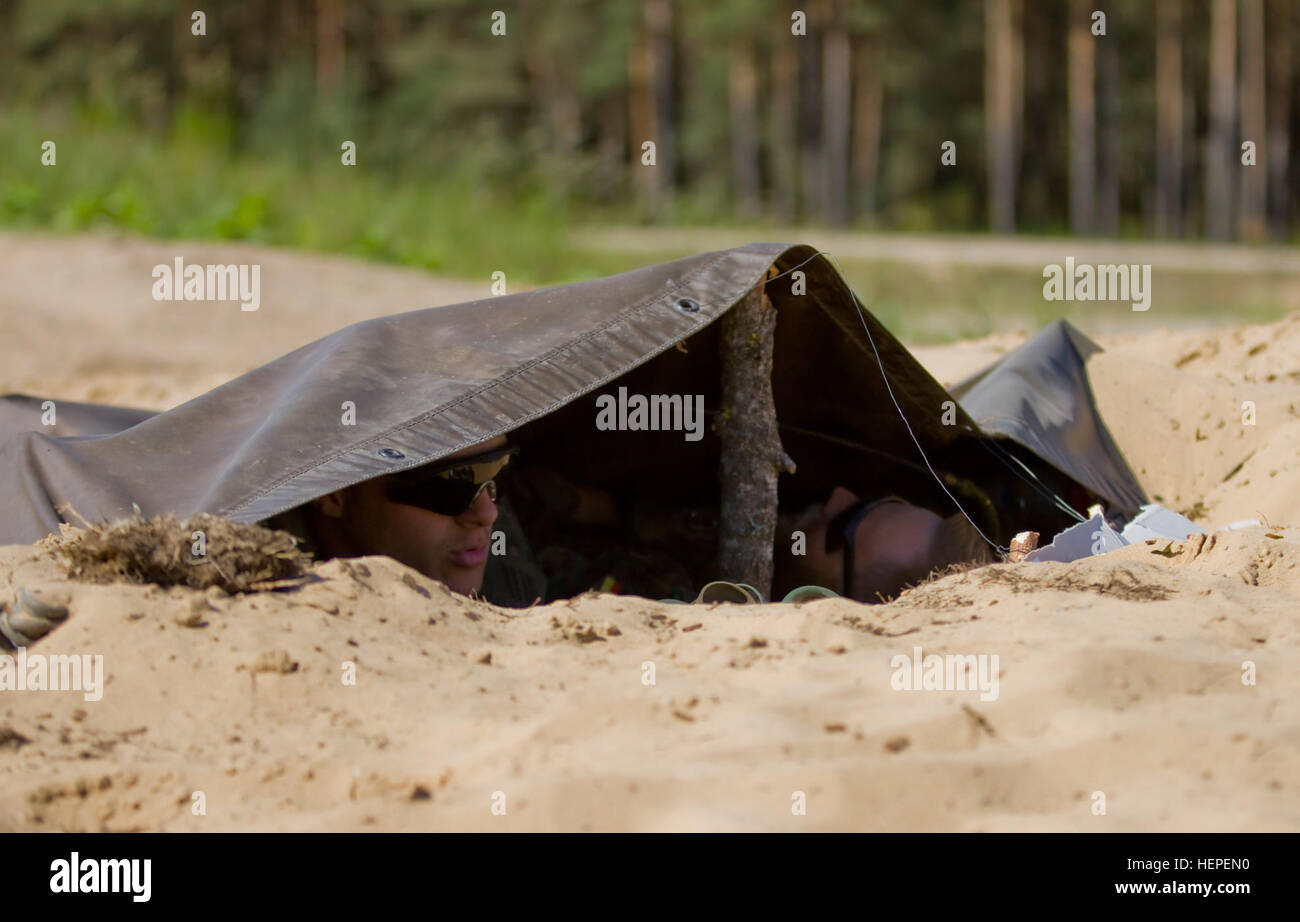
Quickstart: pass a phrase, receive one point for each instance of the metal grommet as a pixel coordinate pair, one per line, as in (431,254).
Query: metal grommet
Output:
(392,454)
(689,305)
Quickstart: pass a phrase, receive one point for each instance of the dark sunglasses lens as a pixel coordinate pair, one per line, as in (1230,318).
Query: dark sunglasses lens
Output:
(445,497)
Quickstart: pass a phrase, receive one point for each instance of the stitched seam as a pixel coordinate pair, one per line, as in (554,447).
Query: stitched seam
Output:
(622,317)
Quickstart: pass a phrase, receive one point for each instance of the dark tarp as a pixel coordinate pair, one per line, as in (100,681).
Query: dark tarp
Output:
(20,413)
(1038,395)
(428,383)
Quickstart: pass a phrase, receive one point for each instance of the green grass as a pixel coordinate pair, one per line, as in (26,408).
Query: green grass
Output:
(186,187)
(924,305)
(189,185)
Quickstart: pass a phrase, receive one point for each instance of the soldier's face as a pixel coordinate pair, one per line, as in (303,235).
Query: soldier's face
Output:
(453,549)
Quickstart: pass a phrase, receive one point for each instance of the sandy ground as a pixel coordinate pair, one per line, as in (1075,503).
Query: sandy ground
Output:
(79,321)
(1121,677)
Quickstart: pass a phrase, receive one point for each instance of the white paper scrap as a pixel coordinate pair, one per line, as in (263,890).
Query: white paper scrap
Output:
(1085,539)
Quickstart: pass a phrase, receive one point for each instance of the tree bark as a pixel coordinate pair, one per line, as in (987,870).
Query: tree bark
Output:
(785,126)
(329,45)
(1108,117)
(1169,119)
(553,99)
(837,81)
(868,106)
(650,105)
(743,96)
(1003,104)
(1083,119)
(1254,186)
(810,112)
(612,129)
(1279,116)
(752,456)
(640,118)
(1221,157)
(659,27)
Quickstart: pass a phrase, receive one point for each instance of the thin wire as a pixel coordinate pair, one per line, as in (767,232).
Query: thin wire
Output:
(1035,484)
(1042,489)
(884,377)
(993,448)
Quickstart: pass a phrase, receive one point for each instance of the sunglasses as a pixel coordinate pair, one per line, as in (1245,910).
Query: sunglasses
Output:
(842,530)
(451,488)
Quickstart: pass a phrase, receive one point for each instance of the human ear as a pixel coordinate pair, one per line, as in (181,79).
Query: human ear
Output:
(840,499)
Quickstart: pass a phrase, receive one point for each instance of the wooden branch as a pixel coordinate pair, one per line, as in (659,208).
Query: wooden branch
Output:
(752,455)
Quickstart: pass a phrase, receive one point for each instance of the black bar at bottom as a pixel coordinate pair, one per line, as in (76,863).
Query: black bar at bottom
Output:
(334,870)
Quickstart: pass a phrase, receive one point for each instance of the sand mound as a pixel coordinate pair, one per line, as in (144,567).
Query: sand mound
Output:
(1210,423)
(374,698)
(1158,680)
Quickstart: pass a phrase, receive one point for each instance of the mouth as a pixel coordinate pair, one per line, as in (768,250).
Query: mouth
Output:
(470,556)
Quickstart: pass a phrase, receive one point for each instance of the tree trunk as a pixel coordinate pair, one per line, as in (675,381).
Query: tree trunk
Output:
(1083,119)
(810,112)
(290,27)
(554,101)
(785,126)
(1003,104)
(1221,150)
(752,455)
(650,105)
(640,126)
(1279,116)
(329,45)
(566,113)
(1017,78)
(1108,118)
(743,95)
(868,106)
(183,46)
(610,147)
(1254,186)
(659,26)
(837,86)
(1169,118)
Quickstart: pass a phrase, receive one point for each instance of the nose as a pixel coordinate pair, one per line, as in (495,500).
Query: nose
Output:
(481,513)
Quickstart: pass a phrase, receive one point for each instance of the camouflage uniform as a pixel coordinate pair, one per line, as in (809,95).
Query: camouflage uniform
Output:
(651,553)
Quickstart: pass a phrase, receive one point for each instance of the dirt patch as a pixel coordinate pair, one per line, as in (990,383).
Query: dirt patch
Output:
(1119,582)
(960,589)
(199,552)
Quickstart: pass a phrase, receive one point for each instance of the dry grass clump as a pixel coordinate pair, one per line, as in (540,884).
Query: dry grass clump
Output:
(1120,582)
(237,557)
(1124,581)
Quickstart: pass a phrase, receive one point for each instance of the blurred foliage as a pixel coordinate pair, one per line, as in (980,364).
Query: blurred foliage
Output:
(471,146)
(182,187)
